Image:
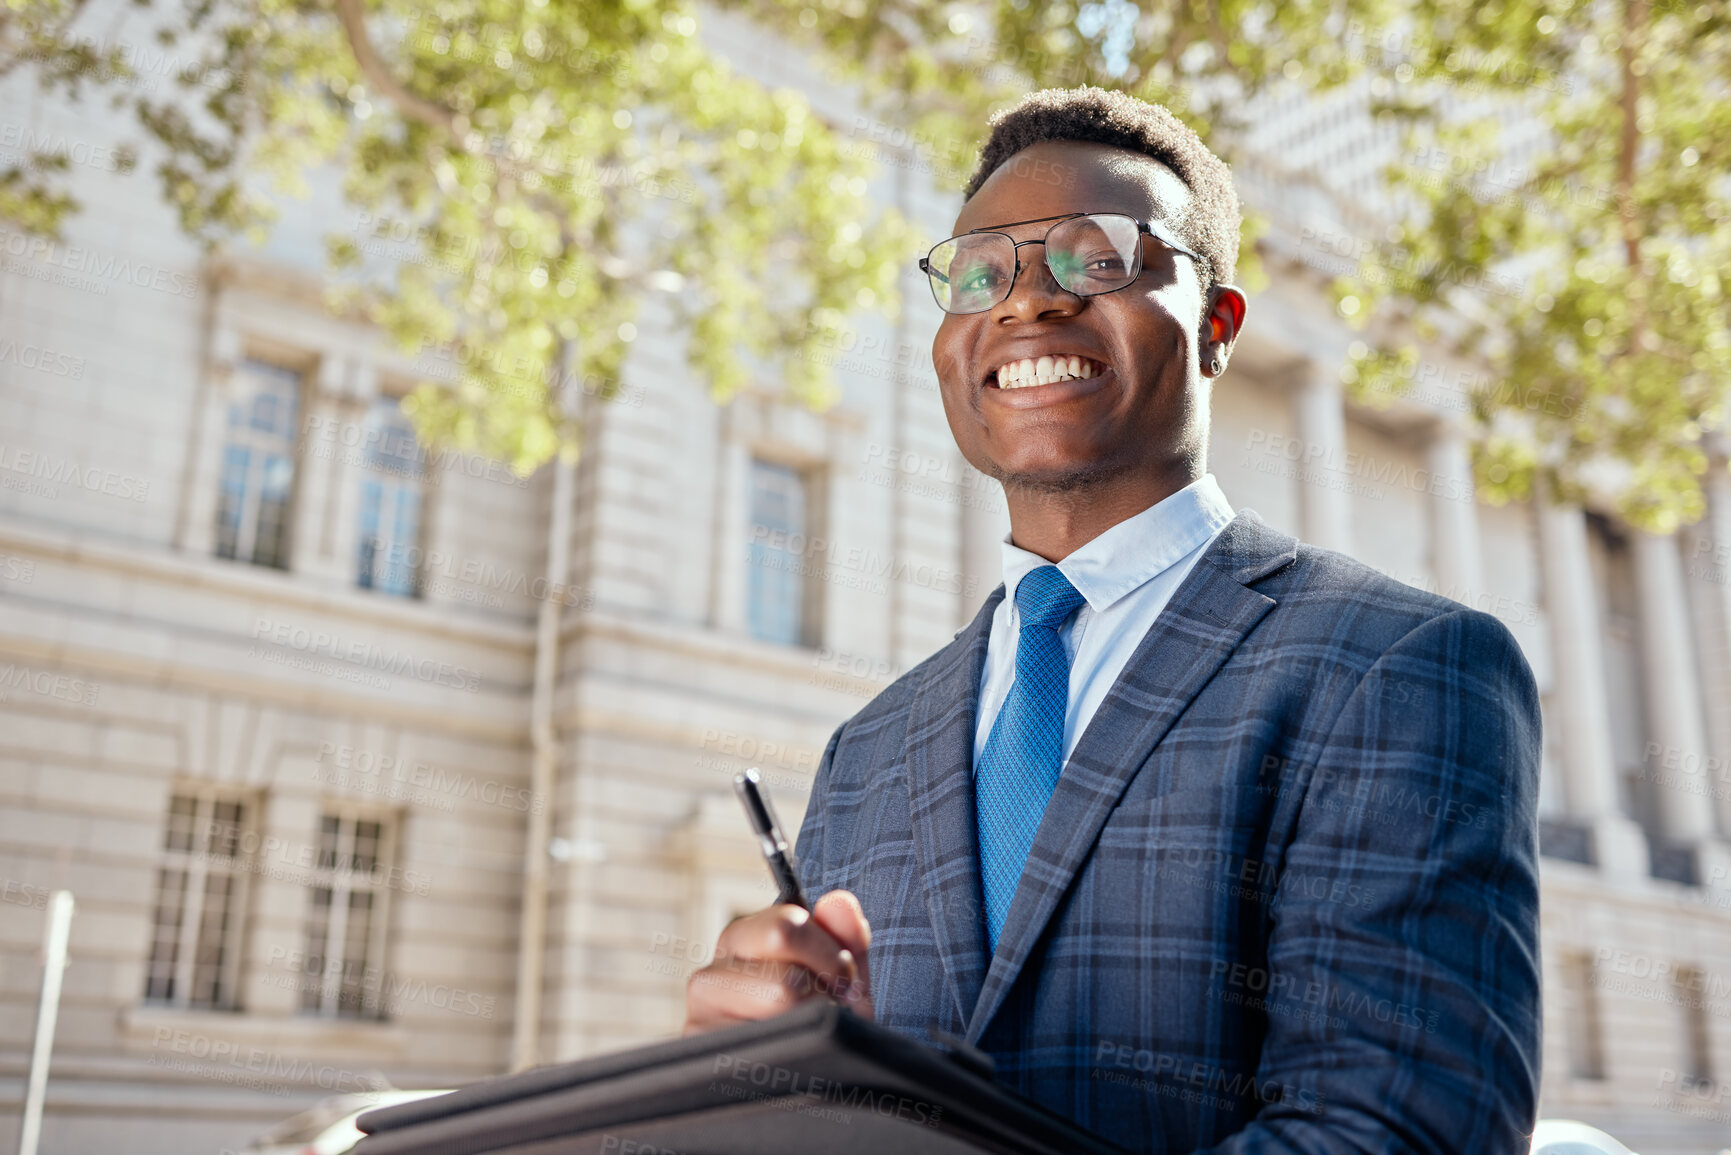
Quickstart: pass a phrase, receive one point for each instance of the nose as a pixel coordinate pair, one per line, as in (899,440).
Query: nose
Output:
(1035,294)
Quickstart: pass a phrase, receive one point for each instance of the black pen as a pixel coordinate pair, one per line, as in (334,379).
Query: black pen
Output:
(776,851)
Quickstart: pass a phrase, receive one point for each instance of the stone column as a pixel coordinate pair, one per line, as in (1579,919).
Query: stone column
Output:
(1707,576)
(1676,755)
(1579,706)
(1677,738)
(1456,558)
(331,461)
(732,523)
(1709,572)
(195,522)
(1326,507)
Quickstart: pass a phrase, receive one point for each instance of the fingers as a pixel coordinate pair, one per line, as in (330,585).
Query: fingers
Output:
(766,963)
(785,934)
(771,961)
(840,914)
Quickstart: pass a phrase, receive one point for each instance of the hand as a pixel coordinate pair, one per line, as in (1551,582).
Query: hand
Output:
(771,961)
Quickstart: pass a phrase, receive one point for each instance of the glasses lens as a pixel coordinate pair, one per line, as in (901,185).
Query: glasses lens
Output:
(1094,254)
(972,273)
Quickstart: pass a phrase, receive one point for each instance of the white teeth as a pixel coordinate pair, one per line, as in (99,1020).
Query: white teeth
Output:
(1045,370)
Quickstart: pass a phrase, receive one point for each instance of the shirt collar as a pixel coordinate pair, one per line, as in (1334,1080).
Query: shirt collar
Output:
(1136,550)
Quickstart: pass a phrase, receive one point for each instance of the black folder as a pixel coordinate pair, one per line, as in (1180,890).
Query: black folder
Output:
(816,1079)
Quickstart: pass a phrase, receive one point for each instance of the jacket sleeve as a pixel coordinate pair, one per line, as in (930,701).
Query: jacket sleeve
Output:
(808,847)
(1412,1017)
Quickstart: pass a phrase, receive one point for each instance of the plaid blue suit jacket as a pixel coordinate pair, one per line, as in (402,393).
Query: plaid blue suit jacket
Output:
(1284,897)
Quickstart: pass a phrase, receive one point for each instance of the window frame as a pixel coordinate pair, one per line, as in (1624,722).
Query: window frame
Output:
(328,984)
(1690,984)
(812,570)
(195,866)
(1583,1017)
(393,486)
(260,447)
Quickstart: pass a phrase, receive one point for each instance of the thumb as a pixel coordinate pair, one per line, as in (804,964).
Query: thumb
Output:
(840,914)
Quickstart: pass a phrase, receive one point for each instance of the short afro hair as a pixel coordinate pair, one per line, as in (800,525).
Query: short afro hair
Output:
(1102,116)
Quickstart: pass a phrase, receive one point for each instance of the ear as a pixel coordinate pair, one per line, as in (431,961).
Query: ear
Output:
(1224,319)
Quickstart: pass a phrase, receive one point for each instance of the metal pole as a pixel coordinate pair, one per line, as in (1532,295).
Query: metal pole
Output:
(53,971)
(543,743)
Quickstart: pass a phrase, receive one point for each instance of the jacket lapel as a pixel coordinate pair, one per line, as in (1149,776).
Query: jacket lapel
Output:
(1208,616)
(940,762)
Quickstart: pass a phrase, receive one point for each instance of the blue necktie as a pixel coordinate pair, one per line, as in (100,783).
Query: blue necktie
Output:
(1019,767)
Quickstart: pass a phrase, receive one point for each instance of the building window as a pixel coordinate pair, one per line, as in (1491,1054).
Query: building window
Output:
(258,465)
(1581,1015)
(346,917)
(1692,1000)
(779,606)
(201,891)
(388,550)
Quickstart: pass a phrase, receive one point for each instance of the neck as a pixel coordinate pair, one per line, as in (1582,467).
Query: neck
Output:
(1054,523)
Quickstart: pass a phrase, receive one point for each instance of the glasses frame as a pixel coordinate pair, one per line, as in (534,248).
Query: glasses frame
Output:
(1143,228)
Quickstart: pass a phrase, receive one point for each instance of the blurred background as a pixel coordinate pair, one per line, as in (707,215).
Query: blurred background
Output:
(441,443)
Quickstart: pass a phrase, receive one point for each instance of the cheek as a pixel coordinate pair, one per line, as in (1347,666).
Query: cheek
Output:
(1151,336)
(954,411)
(953,390)
(947,366)
(946,357)
(1172,302)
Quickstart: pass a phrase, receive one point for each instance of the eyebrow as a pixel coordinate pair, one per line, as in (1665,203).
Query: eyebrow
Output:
(1156,216)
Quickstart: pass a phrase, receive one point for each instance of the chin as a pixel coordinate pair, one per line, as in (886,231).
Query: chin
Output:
(1052,476)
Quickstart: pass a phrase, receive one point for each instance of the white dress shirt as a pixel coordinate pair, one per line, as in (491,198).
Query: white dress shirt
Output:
(1126,576)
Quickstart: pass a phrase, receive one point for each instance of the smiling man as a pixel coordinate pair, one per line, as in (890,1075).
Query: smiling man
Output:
(1213,840)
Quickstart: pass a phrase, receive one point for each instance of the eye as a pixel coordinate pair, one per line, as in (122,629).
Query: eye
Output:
(978,277)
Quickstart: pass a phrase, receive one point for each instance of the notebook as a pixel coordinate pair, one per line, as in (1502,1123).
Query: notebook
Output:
(815,1079)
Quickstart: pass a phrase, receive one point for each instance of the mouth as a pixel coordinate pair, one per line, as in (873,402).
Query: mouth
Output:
(1047,370)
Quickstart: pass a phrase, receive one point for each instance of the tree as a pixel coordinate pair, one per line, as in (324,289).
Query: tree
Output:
(549,163)
(939,70)
(38,36)
(1611,358)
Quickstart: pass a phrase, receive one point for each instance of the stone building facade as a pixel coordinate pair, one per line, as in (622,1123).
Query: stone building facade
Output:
(266,665)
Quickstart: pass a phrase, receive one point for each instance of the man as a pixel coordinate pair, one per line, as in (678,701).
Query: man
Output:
(1211,839)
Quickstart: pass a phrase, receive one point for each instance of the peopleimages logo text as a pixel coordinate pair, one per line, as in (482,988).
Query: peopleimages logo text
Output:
(367,770)
(42,359)
(387,660)
(103,267)
(54,470)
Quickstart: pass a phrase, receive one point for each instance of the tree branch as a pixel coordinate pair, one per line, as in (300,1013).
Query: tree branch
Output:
(1631,137)
(1629,147)
(435,116)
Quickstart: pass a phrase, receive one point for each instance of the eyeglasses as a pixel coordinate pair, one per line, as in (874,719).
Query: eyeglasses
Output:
(1088,254)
